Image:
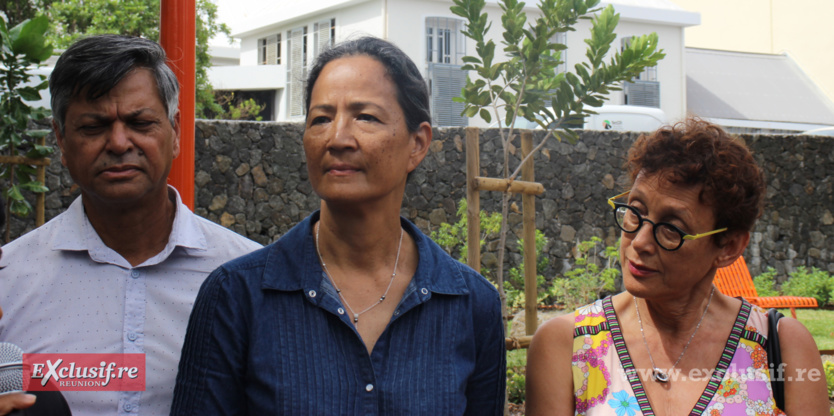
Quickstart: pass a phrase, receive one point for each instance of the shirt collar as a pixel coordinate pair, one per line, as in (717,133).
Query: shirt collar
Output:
(74,232)
(436,271)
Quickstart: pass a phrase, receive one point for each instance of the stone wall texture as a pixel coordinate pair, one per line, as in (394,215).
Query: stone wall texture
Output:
(251,177)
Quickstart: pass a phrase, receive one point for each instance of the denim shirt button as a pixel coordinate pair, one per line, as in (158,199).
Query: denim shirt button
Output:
(128,407)
(341,311)
(424,291)
(369,388)
(312,293)
(134,273)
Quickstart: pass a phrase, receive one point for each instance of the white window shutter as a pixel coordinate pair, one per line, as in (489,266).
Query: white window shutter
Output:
(271,50)
(322,36)
(295,76)
(446,82)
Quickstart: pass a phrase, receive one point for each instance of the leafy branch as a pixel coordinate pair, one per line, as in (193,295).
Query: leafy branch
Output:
(526,81)
(23,47)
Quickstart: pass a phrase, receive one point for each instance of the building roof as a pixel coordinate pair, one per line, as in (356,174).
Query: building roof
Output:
(663,12)
(752,86)
(276,14)
(280,13)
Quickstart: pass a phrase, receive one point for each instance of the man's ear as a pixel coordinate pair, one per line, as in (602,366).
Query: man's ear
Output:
(59,137)
(419,145)
(177,131)
(733,246)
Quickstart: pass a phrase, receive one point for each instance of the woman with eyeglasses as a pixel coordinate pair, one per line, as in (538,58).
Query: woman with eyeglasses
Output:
(671,344)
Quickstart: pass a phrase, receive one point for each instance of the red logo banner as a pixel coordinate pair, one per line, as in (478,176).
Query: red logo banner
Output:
(84,372)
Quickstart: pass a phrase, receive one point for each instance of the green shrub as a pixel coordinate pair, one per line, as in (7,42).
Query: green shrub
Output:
(516,385)
(587,281)
(816,284)
(829,377)
(764,283)
(452,237)
(515,289)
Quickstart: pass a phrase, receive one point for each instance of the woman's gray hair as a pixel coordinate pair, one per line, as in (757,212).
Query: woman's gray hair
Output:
(95,65)
(412,92)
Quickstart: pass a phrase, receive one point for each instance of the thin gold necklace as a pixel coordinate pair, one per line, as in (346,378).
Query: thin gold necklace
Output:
(339,291)
(659,375)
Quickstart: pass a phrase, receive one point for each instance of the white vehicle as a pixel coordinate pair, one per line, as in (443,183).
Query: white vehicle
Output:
(625,118)
(823,131)
(613,117)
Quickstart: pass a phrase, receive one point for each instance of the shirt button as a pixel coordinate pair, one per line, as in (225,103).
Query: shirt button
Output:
(341,311)
(132,337)
(128,407)
(397,312)
(424,291)
(134,273)
(369,388)
(312,293)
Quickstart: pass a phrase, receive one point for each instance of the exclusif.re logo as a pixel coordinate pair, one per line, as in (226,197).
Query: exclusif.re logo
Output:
(84,372)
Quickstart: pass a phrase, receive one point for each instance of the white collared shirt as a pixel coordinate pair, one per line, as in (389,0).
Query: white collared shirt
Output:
(63,291)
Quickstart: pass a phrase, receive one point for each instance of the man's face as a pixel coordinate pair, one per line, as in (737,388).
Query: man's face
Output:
(119,148)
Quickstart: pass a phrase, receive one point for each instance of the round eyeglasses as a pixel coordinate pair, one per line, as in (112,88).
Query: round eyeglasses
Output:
(667,236)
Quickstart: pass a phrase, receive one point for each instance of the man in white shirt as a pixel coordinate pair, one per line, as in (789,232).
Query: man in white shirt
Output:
(118,272)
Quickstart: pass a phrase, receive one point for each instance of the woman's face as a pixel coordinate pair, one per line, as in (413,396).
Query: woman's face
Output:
(652,272)
(357,145)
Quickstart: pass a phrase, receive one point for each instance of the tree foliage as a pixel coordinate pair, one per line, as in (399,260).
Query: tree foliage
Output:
(525,81)
(73,19)
(24,46)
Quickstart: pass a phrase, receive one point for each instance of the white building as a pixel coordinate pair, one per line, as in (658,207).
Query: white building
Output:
(279,47)
(754,93)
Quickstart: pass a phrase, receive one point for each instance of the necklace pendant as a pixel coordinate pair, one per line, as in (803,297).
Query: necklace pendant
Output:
(659,376)
(355,318)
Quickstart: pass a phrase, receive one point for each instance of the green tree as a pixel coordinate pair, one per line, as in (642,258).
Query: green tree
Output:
(23,47)
(526,83)
(73,19)
(16,11)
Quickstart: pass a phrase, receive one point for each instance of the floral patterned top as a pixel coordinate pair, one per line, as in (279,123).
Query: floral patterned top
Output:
(606,382)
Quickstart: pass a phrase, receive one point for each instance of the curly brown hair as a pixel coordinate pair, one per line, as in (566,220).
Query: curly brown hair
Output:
(695,152)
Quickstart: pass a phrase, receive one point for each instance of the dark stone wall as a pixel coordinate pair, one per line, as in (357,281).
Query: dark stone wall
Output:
(252,178)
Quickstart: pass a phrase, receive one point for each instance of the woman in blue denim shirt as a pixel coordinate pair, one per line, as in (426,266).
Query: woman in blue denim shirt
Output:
(354,310)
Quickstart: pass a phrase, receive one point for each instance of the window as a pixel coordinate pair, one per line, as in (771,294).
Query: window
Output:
(644,89)
(444,42)
(269,50)
(445,48)
(324,35)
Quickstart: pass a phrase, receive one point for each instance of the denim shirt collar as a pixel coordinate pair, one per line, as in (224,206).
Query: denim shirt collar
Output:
(304,271)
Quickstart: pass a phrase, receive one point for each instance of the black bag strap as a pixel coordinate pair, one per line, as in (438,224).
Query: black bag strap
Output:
(774,358)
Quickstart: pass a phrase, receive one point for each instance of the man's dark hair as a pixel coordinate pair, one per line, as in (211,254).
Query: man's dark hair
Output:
(94,65)
(412,92)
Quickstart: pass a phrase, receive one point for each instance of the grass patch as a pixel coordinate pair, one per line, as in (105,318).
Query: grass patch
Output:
(818,322)
(517,358)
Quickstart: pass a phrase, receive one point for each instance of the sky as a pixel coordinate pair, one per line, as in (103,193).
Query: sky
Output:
(235,13)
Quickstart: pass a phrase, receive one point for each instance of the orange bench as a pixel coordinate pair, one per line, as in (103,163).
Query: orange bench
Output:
(734,280)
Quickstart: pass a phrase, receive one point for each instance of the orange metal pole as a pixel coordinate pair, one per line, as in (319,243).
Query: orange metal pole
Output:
(178,36)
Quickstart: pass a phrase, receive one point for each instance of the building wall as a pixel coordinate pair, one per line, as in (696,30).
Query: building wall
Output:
(405,25)
(251,177)
(801,28)
(364,18)
(407,29)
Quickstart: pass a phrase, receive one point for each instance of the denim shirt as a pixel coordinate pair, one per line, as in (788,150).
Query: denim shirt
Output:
(269,335)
